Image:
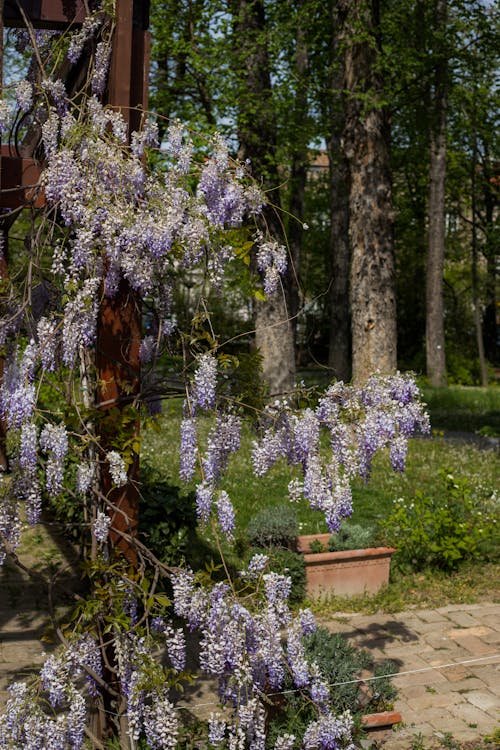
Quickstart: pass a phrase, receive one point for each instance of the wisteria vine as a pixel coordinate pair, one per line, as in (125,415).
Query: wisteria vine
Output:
(110,219)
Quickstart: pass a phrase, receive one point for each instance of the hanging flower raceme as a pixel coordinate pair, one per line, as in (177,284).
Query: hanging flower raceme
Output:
(250,650)
(360,421)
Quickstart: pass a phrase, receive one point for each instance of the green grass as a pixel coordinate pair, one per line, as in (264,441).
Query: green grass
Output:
(372,500)
(464,408)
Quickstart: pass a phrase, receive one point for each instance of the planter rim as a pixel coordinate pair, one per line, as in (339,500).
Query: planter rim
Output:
(348,554)
(381,719)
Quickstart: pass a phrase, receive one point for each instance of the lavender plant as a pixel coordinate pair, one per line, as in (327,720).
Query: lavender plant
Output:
(110,220)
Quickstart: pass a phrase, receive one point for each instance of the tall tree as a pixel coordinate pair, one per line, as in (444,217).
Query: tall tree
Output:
(366,147)
(434,332)
(257,137)
(339,340)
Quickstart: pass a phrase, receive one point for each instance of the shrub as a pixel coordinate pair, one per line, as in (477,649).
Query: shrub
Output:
(339,662)
(167,517)
(442,532)
(276,526)
(351,536)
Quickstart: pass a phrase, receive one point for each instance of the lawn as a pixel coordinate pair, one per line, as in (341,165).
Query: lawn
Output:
(428,458)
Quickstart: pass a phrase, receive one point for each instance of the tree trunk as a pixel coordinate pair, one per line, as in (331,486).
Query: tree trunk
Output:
(490,331)
(257,139)
(299,164)
(474,247)
(339,349)
(434,332)
(365,142)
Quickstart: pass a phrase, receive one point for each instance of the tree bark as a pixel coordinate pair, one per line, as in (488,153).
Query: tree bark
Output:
(475,252)
(434,333)
(299,165)
(366,148)
(339,349)
(257,139)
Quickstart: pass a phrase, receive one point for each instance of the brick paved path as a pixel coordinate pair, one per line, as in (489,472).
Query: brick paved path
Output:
(464,699)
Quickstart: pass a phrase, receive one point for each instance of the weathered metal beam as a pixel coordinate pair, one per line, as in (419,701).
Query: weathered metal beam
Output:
(119,328)
(19,180)
(44,14)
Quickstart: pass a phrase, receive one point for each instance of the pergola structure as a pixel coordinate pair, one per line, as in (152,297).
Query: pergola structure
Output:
(119,324)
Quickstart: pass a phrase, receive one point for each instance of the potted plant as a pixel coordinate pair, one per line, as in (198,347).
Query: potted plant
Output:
(345,563)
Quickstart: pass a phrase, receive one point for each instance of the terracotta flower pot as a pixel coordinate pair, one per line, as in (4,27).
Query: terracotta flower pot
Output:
(344,573)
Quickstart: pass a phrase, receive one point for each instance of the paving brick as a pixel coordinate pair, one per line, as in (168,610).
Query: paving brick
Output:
(488,674)
(484,699)
(437,641)
(464,619)
(464,608)
(435,699)
(413,691)
(430,627)
(493,638)
(473,644)
(456,674)
(442,721)
(474,716)
(433,615)
(465,686)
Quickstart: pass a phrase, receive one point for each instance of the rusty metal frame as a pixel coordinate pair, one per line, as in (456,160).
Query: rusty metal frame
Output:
(119,324)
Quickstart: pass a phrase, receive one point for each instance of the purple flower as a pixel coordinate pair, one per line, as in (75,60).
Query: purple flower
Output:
(24,95)
(28,452)
(216,729)
(101,65)
(100,527)
(224,439)
(225,514)
(329,733)
(284,742)
(117,468)
(161,724)
(307,621)
(256,566)
(78,38)
(398,453)
(204,497)
(54,441)
(277,587)
(4,116)
(54,677)
(47,343)
(205,381)
(271,261)
(301,671)
(188,448)
(85,475)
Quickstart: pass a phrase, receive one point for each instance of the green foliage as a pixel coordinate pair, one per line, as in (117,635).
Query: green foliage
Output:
(289,563)
(463,408)
(275,526)
(167,517)
(443,531)
(339,662)
(316,546)
(351,536)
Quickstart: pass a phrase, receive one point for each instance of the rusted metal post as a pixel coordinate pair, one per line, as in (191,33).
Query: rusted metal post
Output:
(119,325)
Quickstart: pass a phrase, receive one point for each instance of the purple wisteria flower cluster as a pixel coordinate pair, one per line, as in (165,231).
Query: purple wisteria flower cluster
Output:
(250,650)
(28,724)
(126,223)
(359,422)
(223,440)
